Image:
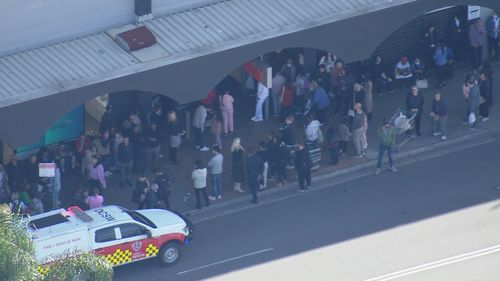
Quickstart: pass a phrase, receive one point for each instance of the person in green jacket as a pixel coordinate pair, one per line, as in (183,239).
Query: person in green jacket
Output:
(387,137)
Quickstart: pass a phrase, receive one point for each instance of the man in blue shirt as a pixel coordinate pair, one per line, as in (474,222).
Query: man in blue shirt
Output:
(320,101)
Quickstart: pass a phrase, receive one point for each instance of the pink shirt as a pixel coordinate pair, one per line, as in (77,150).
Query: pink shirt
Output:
(95,201)
(226,102)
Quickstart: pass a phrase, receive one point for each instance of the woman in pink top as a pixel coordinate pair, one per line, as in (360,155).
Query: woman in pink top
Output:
(95,200)
(226,106)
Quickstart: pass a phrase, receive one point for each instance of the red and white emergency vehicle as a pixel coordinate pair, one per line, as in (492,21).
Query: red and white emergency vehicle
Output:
(122,236)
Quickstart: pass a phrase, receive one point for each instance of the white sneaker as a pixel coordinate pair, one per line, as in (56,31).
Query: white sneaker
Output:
(443,138)
(254,118)
(219,197)
(258,120)
(393,169)
(204,148)
(198,147)
(378,171)
(211,198)
(485,119)
(436,134)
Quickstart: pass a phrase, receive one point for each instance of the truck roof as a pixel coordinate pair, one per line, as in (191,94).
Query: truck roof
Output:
(62,221)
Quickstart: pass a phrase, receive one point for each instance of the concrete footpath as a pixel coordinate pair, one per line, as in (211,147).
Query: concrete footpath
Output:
(251,133)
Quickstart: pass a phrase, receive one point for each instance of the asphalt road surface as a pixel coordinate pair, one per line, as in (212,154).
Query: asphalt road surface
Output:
(437,219)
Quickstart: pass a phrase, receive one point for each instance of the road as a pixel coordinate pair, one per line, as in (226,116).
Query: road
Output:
(436,219)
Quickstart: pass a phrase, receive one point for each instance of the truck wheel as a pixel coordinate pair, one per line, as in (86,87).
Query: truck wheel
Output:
(169,254)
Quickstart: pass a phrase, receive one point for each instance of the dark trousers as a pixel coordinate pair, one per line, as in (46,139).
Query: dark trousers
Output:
(477,56)
(493,48)
(304,176)
(172,154)
(166,201)
(253,184)
(381,151)
(198,135)
(484,109)
(418,117)
(321,115)
(199,193)
(334,154)
(441,73)
(343,146)
(281,171)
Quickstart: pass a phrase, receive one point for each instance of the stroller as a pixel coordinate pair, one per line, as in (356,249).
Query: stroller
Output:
(404,123)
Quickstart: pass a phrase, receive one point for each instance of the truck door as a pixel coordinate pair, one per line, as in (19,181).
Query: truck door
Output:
(132,242)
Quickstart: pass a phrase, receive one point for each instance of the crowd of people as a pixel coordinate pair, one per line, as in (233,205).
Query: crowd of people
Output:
(334,103)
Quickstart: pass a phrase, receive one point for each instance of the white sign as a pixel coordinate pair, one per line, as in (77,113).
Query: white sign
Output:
(46,170)
(474,12)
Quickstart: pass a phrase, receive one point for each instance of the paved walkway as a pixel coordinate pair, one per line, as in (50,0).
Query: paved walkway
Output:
(251,133)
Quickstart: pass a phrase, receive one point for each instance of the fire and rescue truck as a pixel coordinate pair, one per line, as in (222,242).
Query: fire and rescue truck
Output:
(122,236)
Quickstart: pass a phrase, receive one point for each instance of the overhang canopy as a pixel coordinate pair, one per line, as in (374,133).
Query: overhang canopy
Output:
(223,25)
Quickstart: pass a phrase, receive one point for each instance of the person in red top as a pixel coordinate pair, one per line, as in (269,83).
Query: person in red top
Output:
(287,101)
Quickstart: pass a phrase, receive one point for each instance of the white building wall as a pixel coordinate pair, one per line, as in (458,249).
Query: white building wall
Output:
(30,23)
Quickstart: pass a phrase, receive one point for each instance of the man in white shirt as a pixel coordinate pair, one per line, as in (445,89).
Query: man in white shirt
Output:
(262,94)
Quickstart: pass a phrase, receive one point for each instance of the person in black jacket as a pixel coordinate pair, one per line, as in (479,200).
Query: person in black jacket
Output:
(303,165)
(255,168)
(152,137)
(485,100)
(415,105)
(164,186)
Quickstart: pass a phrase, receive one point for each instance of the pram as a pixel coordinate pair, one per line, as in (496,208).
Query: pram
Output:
(404,125)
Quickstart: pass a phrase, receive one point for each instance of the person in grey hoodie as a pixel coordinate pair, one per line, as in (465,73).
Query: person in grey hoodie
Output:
(215,167)
(200,115)
(199,177)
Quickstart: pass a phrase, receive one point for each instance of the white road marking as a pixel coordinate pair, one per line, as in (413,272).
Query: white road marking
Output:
(438,263)
(226,260)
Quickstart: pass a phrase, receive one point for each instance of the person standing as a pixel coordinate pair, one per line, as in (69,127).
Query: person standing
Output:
(215,166)
(164,186)
(199,118)
(320,100)
(107,119)
(199,177)
(96,173)
(439,115)
(458,36)
(493,30)
(237,153)
(152,140)
(255,169)
(441,61)
(151,200)
(358,126)
(486,93)
(262,94)
(278,85)
(216,128)
(368,101)
(125,157)
(474,99)
(387,137)
(141,187)
(289,71)
(226,107)
(403,73)
(476,38)
(56,188)
(415,105)
(287,101)
(332,140)
(262,152)
(303,165)
(312,130)
(175,133)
